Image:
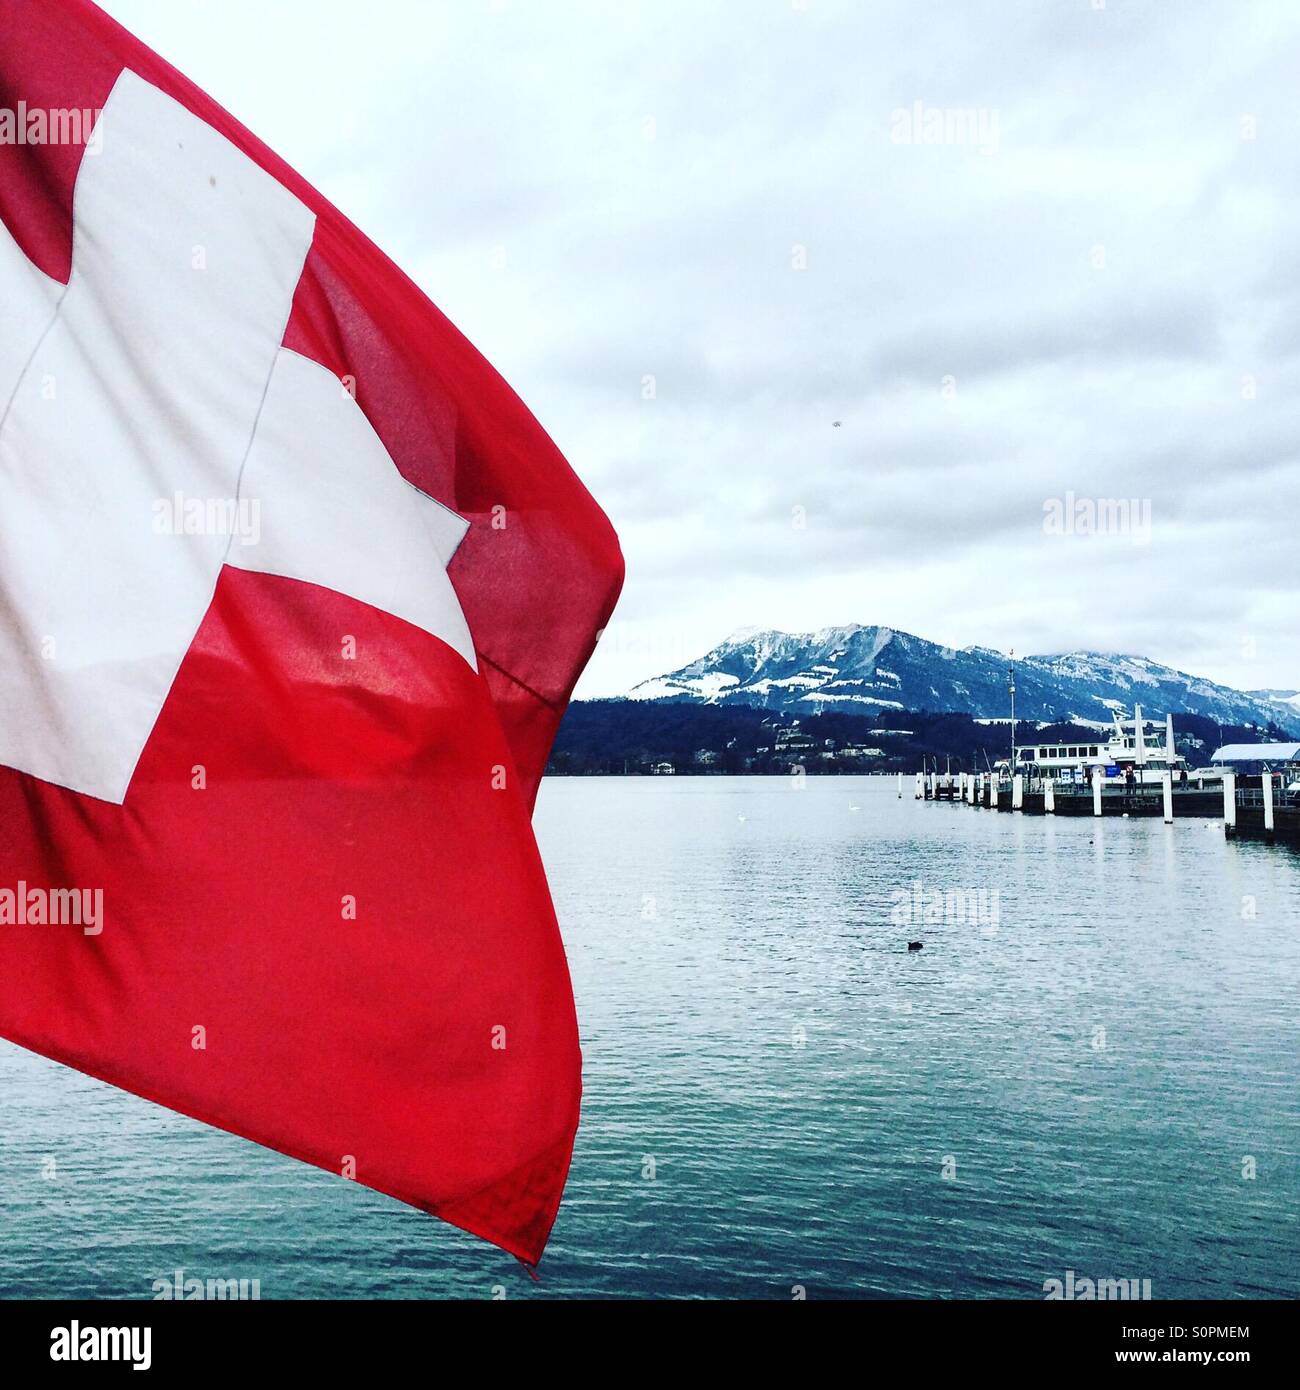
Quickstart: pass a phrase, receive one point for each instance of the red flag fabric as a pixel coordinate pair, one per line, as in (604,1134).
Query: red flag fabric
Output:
(293,593)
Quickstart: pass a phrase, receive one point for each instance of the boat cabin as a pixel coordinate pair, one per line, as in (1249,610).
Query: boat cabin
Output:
(1136,743)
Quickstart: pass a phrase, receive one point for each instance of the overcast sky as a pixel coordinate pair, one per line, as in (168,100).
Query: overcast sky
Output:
(1093,289)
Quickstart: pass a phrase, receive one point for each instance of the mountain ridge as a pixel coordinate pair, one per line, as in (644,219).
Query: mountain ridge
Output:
(863,668)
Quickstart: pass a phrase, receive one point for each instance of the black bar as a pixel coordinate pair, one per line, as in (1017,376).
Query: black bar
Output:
(473,1340)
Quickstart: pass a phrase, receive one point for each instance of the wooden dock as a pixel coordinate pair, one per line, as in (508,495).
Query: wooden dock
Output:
(1261,814)
(1251,807)
(1121,801)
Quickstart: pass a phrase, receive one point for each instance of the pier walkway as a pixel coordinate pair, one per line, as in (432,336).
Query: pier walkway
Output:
(1251,807)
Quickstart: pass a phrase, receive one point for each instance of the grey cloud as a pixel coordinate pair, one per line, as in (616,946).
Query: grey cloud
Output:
(1119,330)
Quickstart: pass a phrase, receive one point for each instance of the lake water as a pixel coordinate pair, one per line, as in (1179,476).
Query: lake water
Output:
(1098,1042)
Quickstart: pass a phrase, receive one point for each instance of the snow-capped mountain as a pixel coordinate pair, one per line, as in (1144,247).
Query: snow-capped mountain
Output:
(861,669)
(1288,699)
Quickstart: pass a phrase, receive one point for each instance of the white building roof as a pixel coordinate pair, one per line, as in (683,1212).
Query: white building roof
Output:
(1257,753)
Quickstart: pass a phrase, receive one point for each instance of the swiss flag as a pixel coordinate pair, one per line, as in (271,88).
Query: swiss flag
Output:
(293,594)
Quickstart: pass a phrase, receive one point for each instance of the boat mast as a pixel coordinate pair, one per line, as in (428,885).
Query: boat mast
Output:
(1011,690)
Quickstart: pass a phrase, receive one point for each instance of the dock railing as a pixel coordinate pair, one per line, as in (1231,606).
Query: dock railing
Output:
(1252,798)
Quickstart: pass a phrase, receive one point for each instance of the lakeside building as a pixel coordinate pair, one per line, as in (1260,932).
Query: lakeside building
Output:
(1250,759)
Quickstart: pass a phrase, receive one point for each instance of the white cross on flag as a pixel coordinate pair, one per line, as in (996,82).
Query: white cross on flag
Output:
(293,594)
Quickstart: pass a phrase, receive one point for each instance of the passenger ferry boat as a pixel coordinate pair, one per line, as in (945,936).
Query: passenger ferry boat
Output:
(1134,744)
